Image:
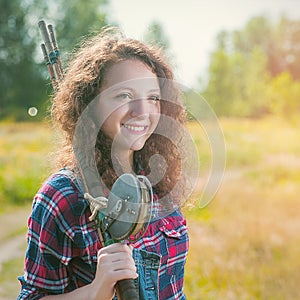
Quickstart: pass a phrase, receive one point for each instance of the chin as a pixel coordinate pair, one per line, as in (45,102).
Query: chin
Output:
(138,145)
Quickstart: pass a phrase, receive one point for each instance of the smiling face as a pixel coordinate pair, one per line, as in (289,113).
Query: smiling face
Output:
(129,107)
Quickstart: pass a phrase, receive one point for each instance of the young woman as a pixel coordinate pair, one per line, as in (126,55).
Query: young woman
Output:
(65,259)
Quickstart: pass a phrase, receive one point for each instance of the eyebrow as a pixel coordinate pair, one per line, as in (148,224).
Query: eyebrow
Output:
(120,88)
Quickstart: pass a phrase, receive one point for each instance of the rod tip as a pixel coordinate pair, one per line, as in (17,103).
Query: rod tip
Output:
(41,23)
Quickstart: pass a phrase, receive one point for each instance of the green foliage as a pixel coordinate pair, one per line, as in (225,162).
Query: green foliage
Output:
(23,161)
(76,19)
(257,32)
(244,67)
(237,82)
(20,82)
(156,36)
(8,278)
(284,48)
(245,244)
(24,81)
(284,94)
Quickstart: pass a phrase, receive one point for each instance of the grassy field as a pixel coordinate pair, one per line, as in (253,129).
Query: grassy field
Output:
(24,160)
(244,245)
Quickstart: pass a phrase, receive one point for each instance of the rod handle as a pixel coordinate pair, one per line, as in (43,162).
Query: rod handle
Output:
(45,36)
(126,290)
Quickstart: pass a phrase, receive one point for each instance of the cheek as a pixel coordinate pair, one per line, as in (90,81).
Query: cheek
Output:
(155,116)
(107,114)
(112,120)
(110,126)
(155,120)
(106,109)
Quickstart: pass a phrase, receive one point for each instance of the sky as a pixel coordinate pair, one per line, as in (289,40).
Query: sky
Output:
(192,25)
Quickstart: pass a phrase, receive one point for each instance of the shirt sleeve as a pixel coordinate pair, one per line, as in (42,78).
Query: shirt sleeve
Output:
(51,237)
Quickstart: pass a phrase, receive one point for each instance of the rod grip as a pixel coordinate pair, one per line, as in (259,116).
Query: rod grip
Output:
(45,36)
(126,290)
(52,36)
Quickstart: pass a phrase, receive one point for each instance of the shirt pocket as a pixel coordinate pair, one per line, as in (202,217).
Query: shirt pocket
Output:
(176,246)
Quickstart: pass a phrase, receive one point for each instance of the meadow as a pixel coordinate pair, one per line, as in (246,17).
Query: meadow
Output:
(244,245)
(24,159)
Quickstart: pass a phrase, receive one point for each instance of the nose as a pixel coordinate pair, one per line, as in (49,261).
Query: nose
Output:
(139,107)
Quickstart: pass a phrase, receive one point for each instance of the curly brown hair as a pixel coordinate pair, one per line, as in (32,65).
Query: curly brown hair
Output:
(82,82)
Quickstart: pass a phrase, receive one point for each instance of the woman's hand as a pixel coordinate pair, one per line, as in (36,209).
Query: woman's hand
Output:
(115,263)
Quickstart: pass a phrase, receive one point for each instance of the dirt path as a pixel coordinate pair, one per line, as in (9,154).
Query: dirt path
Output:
(11,238)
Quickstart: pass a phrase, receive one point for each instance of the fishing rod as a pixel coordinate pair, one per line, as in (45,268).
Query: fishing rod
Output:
(125,214)
(51,53)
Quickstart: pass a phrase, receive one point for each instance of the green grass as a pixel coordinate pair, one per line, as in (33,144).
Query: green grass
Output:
(24,149)
(244,245)
(10,287)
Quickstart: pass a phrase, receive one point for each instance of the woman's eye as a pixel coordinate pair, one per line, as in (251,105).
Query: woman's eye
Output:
(154,98)
(124,96)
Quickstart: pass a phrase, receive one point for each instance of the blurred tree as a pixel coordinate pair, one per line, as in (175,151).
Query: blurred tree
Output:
(156,36)
(257,32)
(284,50)
(23,79)
(20,82)
(220,91)
(284,95)
(244,62)
(76,19)
(280,42)
(252,81)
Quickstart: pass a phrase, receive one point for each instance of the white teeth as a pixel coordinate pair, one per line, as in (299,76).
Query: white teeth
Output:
(135,128)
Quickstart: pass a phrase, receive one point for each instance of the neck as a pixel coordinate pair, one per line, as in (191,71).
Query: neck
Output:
(125,161)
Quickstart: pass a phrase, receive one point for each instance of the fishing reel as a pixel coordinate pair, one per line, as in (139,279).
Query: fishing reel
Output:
(126,217)
(129,208)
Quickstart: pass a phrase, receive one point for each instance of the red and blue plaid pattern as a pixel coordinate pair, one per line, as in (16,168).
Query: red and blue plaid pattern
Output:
(63,244)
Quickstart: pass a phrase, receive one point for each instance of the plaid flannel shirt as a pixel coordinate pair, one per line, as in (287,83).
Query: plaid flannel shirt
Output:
(63,244)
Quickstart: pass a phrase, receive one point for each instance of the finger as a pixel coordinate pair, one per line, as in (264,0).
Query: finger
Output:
(125,274)
(123,264)
(121,258)
(116,276)
(117,268)
(116,248)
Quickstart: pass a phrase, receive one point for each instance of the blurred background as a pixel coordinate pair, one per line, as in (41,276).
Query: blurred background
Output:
(243,57)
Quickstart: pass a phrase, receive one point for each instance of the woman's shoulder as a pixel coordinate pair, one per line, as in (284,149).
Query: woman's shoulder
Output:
(59,213)
(64,180)
(60,194)
(173,218)
(173,224)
